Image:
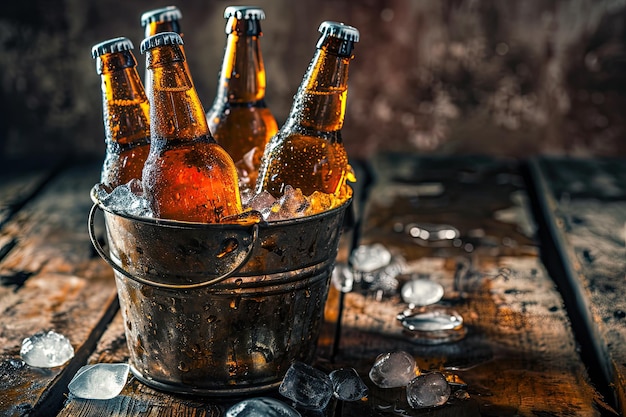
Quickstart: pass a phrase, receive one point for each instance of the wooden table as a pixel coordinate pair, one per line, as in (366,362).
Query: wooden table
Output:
(537,274)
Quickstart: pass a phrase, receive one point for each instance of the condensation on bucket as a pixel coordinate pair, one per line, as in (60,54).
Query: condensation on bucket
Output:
(233,336)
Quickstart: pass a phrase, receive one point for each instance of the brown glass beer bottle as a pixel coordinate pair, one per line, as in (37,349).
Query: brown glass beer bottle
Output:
(239,119)
(164,19)
(125,112)
(308,152)
(187,175)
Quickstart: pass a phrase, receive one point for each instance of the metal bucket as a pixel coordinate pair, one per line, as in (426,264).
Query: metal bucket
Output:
(219,309)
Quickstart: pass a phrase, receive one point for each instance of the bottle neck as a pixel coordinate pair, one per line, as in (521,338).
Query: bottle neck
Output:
(153,28)
(176,112)
(320,102)
(125,105)
(242,77)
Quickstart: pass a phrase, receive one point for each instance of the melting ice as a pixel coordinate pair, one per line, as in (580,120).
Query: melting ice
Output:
(101,381)
(46,350)
(306,386)
(421,292)
(347,384)
(393,369)
(261,407)
(428,390)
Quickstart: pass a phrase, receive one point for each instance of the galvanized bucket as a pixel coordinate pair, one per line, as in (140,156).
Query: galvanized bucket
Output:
(219,309)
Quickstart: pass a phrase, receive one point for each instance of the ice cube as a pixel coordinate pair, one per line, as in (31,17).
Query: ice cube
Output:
(384,279)
(126,199)
(263,203)
(428,390)
(306,386)
(261,407)
(421,292)
(46,349)
(342,277)
(347,384)
(292,204)
(393,369)
(368,258)
(101,381)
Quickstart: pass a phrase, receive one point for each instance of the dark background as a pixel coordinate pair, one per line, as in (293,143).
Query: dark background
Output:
(505,78)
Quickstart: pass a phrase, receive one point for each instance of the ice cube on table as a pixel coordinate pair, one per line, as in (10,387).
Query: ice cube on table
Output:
(101,381)
(347,384)
(421,292)
(428,390)
(306,386)
(368,258)
(342,277)
(261,407)
(46,349)
(393,369)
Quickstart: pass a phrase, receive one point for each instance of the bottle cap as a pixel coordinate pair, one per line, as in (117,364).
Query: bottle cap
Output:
(244,12)
(339,30)
(164,14)
(164,38)
(112,45)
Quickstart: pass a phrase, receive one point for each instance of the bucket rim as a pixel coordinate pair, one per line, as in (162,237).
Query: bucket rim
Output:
(181,224)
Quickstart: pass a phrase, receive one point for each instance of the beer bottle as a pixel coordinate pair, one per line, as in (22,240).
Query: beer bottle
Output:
(239,118)
(164,19)
(308,152)
(125,112)
(187,175)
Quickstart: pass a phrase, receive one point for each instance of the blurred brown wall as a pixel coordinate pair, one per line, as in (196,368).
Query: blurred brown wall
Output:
(508,78)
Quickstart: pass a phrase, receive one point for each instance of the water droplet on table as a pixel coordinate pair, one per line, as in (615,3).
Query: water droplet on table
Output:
(433,324)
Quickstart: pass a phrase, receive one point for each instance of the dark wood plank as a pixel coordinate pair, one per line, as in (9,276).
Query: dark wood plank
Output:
(19,182)
(65,288)
(519,357)
(584,204)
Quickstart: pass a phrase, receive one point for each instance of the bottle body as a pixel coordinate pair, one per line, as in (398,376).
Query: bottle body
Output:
(239,119)
(125,112)
(308,153)
(187,175)
(306,161)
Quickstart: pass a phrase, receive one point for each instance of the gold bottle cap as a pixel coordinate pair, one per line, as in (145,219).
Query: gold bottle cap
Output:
(111,45)
(164,14)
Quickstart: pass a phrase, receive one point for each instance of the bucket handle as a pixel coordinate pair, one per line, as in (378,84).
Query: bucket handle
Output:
(114,265)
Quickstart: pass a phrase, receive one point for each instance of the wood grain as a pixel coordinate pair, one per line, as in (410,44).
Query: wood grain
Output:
(519,357)
(65,289)
(584,206)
